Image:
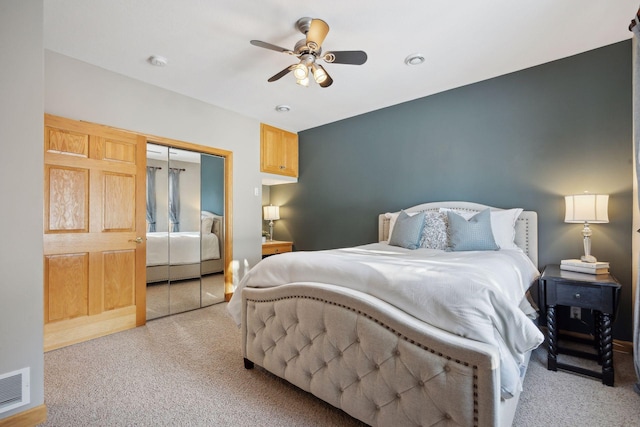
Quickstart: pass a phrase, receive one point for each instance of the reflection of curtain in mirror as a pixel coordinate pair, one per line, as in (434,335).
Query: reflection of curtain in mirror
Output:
(174,198)
(151,198)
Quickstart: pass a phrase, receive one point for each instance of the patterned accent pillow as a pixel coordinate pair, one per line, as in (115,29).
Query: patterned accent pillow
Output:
(434,231)
(474,234)
(407,230)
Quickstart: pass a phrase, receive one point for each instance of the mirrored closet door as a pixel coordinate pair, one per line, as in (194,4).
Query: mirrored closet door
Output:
(185,230)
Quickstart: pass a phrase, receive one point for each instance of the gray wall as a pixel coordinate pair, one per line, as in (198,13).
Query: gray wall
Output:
(21,179)
(521,140)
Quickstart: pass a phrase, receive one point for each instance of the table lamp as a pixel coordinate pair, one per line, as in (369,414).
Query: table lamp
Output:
(587,208)
(271,213)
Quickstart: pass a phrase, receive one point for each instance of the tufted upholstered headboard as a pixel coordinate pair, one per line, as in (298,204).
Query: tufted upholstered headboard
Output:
(526,225)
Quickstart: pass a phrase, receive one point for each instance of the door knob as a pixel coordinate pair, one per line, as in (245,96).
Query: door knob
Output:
(137,240)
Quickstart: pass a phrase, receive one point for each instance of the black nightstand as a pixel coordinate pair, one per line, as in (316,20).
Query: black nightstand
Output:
(600,293)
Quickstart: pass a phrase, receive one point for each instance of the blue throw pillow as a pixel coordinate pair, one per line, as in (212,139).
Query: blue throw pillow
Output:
(472,235)
(407,230)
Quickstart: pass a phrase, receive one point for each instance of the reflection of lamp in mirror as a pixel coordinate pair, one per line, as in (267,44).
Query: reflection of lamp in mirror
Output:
(587,208)
(271,213)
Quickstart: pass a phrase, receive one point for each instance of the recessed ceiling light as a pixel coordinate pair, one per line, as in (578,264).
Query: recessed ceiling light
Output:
(158,61)
(283,108)
(414,59)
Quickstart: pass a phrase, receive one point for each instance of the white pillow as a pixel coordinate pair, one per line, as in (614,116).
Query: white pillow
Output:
(206,225)
(503,224)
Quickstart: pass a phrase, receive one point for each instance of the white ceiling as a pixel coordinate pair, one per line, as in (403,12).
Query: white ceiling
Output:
(209,56)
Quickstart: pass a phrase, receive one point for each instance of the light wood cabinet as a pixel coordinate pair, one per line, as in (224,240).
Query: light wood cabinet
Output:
(273,247)
(278,151)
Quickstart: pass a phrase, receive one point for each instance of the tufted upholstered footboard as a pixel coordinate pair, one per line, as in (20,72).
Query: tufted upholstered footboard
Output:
(369,359)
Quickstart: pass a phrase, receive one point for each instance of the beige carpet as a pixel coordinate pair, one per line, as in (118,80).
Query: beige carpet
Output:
(187,370)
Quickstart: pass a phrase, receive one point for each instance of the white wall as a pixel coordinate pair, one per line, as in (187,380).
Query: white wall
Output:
(21,190)
(81,91)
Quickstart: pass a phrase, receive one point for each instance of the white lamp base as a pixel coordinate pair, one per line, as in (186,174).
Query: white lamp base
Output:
(586,239)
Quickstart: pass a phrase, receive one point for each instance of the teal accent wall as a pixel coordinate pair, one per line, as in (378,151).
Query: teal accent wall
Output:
(524,139)
(212,184)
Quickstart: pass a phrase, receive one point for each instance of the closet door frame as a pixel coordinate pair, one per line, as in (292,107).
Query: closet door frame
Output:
(228,208)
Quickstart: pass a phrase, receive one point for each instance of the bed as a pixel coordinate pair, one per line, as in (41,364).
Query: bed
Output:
(450,349)
(192,253)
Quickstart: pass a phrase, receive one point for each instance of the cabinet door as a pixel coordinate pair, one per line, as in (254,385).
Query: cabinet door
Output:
(290,154)
(278,151)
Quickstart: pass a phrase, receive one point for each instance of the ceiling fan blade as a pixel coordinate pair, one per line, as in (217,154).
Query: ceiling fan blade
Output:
(317,33)
(280,74)
(353,57)
(327,82)
(269,46)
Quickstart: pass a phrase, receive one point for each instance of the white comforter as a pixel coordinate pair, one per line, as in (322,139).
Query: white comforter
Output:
(184,247)
(478,295)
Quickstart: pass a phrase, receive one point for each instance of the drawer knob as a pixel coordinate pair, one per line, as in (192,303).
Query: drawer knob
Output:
(577,296)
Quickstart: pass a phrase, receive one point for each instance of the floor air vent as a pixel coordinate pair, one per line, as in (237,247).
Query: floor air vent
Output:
(14,389)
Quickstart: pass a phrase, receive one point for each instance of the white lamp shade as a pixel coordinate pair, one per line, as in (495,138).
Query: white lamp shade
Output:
(591,208)
(271,213)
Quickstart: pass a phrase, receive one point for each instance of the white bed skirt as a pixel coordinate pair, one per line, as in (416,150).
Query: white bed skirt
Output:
(185,247)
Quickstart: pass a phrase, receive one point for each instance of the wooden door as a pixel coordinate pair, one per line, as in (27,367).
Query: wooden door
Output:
(94,231)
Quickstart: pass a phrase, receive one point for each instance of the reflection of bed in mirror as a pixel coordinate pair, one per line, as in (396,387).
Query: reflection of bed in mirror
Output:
(192,253)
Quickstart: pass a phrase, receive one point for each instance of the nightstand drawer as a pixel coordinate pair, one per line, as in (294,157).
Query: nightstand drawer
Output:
(274,247)
(275,250)
(579,296)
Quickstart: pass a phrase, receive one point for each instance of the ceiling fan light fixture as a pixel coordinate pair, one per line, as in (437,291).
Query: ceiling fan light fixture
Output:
(414,59)
(308,51)
(300,71)
(319,74)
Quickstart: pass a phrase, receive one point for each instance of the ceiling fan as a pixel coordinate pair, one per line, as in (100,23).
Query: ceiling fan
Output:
(309,51)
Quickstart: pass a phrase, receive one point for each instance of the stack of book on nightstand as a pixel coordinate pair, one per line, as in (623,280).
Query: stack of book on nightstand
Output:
(600,267)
